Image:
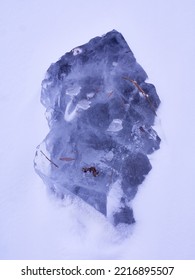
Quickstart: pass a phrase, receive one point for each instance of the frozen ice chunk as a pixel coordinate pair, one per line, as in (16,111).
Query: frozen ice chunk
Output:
(100,112)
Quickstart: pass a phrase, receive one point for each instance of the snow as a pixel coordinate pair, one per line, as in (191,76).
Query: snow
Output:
(33,223)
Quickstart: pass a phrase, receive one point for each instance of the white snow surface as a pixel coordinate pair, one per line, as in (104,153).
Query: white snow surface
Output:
(33,223)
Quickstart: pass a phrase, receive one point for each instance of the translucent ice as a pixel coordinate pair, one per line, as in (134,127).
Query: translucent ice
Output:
(100,112)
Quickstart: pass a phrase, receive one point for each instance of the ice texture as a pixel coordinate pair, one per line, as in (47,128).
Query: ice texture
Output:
(100,113)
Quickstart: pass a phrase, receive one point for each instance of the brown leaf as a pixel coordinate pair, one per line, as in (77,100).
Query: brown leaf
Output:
(67,158)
